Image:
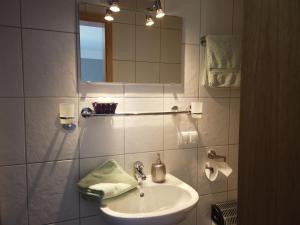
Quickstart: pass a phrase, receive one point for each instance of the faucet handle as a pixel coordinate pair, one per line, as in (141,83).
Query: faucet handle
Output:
(138,165)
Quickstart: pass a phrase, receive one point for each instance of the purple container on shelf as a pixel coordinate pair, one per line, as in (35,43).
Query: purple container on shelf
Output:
(104,108)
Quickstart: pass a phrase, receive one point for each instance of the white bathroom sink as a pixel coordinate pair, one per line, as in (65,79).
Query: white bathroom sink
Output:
(162,204)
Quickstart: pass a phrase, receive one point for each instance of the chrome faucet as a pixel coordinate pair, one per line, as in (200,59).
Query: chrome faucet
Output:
(138,171)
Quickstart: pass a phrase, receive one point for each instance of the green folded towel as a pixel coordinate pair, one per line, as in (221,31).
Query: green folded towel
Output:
(106,181)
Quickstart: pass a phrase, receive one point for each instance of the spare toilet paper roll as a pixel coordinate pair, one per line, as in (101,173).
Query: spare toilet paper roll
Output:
(211,171)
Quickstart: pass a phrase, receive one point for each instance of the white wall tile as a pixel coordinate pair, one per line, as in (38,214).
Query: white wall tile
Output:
(180,131)
(204,185)
(170,73)
(124,16)
(131,4)
(144,4)
(204,207)
(101,136)
(71,222)
(94,220)
(170,46)
(238,17)
(213,126)
(12,132)
(146,158)
(233,154)
(235,92)
(49,63)
(13,195)
(50,14)
(234,121)
(123,41)
(11,77)
(143,104)
(101,90)
(190,13)
(88,208)
(191,218)
(182,164)
(189,87)
(147,72)
(10,13)
(216,17)
(46,140)
(232,195)
(123,71)
(147,44)
(173,22)
(143,133)
(52,191)
(143,90)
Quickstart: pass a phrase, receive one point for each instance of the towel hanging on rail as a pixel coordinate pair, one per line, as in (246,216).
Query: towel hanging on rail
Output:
(223,61)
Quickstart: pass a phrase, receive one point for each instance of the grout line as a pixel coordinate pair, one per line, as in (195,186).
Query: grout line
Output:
(144,61)
(10,26)
(77,38)
(137,97)
(10,97)
(54,97)
(24,114)
(135,47)
(124,136)
(49,30)
(62,221)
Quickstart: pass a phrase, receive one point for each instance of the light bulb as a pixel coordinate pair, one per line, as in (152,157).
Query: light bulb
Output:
(149,21)
(114,6)
(108,15)
(160,13)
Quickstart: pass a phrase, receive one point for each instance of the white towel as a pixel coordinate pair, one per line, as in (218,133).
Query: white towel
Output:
(223,61)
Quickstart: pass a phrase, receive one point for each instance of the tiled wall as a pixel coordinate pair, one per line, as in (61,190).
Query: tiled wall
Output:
(40,162)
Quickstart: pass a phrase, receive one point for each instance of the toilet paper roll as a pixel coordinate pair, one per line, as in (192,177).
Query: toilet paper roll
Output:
(211,171)
(213,168)
(224,168)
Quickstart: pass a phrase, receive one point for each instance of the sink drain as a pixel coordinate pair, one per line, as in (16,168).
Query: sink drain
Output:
(142,194)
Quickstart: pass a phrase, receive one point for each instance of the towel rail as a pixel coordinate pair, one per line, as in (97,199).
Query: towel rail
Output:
(87,112)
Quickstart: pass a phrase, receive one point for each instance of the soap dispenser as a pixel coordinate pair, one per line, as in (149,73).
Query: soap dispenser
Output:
(158,171)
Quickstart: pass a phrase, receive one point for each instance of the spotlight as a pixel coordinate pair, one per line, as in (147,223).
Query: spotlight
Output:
(149,21)
(159,12)
(114,6)
(108,15)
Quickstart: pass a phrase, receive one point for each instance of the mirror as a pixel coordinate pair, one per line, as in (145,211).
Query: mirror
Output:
(125,49)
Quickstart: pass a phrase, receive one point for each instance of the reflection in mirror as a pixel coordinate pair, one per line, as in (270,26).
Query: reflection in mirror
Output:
(125,49)
(95,48)
(92,51)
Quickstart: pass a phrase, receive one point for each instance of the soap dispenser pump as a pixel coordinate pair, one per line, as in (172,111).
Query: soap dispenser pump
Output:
(158,171)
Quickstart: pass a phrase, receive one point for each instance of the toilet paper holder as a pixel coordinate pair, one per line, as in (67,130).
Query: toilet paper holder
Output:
(213,155)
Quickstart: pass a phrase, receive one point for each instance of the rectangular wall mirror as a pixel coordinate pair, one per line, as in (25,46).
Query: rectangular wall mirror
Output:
(125,49)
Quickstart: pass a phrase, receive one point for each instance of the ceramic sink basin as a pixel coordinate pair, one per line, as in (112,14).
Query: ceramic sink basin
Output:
(161,204)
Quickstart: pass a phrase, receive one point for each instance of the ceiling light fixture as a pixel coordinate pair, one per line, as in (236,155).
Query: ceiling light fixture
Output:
(149,21)
(108,15)
(114,6)
(159,12)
